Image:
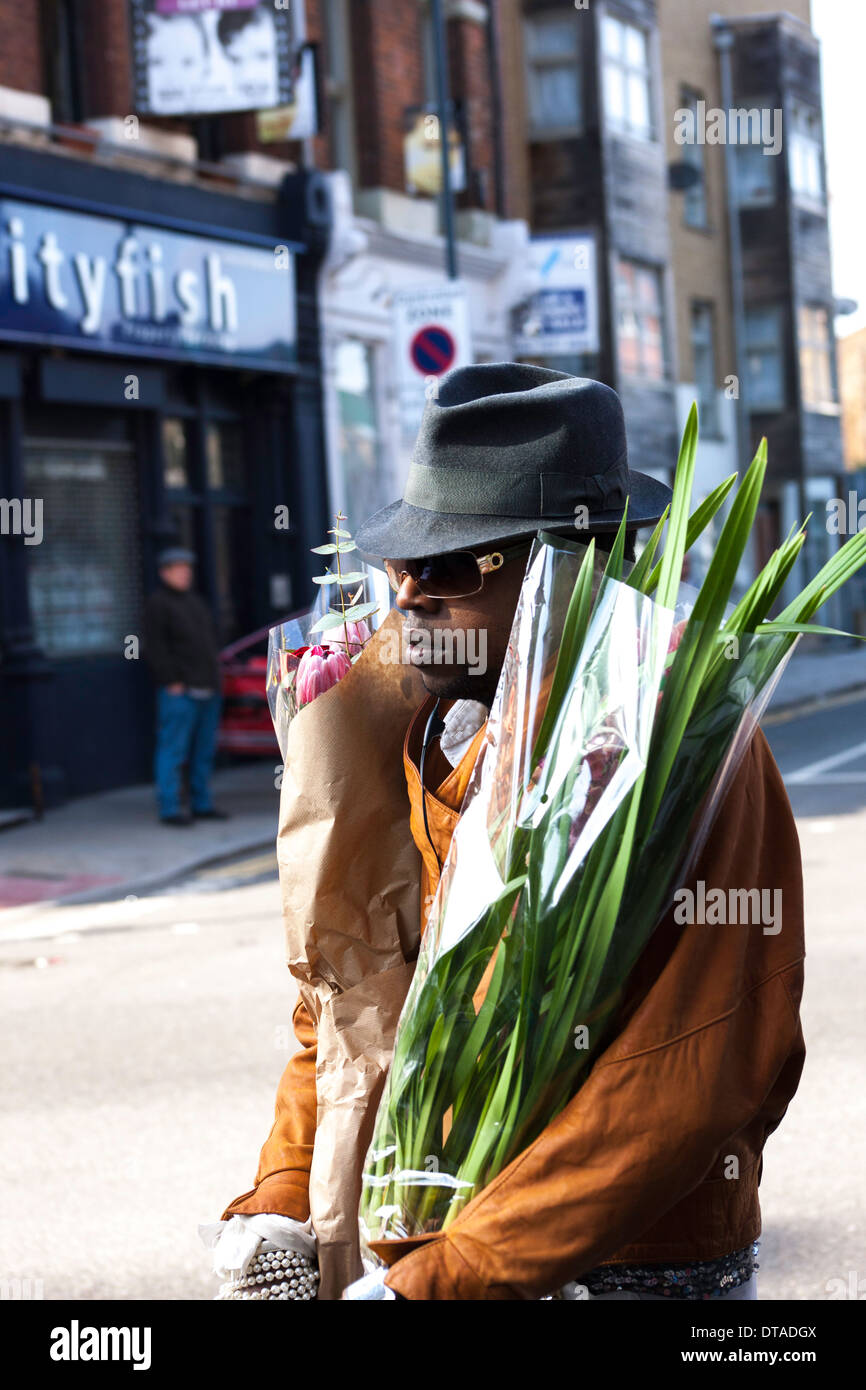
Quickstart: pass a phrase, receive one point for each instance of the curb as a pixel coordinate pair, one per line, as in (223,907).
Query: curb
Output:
(114,892)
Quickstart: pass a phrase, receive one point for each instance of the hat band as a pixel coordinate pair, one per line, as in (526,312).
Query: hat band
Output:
(469,492)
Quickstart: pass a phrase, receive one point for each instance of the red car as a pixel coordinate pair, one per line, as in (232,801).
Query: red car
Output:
(246,726)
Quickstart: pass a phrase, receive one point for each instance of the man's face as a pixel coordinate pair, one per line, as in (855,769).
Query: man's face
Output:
(459,644)
(177,576)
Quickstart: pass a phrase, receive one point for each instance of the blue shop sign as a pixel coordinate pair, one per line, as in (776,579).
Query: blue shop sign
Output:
(106,285)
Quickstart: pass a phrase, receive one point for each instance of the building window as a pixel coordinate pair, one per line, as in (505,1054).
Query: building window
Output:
(804,154)
(640,332)
(626,78)
(766,383)
(755,176)
(341,121)
(62,58)
(695,196)
(815,344)
(704,364)
(552,72)
(362,486)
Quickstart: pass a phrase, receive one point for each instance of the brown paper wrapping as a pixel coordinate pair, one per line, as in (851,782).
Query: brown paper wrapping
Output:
(349,875)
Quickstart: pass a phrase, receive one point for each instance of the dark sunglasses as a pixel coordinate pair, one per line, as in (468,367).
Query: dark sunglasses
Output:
(454,575)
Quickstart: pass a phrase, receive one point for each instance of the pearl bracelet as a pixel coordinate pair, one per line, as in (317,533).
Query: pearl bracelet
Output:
(280,1274)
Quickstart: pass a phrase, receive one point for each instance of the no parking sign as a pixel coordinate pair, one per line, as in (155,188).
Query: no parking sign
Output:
(431,335)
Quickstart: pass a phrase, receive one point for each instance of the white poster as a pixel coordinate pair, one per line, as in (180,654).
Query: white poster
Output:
(431,335)
(561,318)
(192,57)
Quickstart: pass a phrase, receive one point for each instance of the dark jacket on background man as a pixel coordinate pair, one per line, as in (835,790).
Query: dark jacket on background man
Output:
(180,644)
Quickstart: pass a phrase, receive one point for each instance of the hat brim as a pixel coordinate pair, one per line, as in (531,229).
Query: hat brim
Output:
(401,531)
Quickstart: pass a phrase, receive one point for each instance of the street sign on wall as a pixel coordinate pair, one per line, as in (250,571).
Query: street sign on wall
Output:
(431,335)
(561,318)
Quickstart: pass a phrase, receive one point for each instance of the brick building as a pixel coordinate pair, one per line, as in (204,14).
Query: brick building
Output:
(598,93)
(160,380)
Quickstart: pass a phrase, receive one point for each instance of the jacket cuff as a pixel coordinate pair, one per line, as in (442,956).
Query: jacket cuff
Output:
(282,1194)
(436,1271)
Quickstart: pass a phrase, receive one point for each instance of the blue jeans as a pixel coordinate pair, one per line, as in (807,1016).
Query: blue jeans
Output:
(186,732)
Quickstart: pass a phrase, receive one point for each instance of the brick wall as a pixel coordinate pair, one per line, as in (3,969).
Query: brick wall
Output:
(21,64)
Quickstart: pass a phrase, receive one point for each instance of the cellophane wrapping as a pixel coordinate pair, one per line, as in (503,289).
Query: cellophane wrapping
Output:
(551,888)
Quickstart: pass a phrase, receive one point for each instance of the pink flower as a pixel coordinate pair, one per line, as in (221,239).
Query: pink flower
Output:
(358,633)
(677,634)
(318,670)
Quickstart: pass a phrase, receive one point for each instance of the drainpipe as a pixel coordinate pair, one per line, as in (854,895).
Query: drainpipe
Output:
(442,105)
(723,41)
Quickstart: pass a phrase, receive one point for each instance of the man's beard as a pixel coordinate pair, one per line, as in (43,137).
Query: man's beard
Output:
(460,684)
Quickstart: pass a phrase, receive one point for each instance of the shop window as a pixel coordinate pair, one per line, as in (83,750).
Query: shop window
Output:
(232,571)
(695,196)
(359,446)
(704,365)
(766,380)
(551,44)
(225,457)
(815,346)
(175,455)
(804,154)
(84,577)
(640,332)
(626,78)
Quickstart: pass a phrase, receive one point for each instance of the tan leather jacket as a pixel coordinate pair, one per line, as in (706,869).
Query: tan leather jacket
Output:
(658,1157)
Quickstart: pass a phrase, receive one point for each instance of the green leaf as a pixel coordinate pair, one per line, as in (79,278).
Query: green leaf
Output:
(335,531)
(360,610)
(640,570)
(327,622)
(698,522)
(353,577)
(345,546)
(672,561)
(326,579)
(815,628)
(328,549)
(613,568)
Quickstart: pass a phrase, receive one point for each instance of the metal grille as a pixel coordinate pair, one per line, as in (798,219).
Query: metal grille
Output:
(85,576)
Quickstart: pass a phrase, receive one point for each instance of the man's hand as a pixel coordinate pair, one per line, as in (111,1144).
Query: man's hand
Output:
(177,689)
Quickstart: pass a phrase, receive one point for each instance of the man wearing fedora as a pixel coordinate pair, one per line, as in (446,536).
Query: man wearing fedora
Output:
(646,1184)
(181,649)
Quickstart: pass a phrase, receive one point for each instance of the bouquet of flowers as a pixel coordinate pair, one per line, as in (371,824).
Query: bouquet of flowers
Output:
(300,670)
(624,706)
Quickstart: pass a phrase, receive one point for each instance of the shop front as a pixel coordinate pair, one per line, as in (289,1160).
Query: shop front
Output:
(159,383)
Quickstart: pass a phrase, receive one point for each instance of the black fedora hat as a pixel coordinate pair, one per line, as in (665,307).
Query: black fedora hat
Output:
(507,449)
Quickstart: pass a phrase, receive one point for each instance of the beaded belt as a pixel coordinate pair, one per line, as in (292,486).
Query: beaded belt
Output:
(702,1279)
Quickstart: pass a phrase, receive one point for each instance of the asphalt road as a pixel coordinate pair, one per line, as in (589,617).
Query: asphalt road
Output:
(142,1044)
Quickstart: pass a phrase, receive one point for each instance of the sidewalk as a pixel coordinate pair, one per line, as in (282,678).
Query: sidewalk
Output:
(111,845)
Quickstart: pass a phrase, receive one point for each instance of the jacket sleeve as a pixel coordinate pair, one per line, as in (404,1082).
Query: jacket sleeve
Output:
(157,653)
(282,1179)
(685,1075)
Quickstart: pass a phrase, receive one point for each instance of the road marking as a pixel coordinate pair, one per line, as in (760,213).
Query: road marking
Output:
(812,771)
(819,705)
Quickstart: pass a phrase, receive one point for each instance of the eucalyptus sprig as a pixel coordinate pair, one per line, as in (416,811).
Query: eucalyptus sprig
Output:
(342,544)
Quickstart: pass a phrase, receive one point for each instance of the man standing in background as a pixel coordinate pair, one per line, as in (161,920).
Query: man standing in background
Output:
(181,649)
